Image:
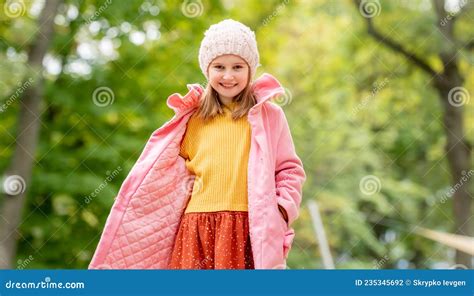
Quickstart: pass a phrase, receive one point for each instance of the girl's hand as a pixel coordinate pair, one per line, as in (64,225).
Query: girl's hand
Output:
(283,213)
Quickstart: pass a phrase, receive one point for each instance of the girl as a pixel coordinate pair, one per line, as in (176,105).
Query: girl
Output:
(218,185)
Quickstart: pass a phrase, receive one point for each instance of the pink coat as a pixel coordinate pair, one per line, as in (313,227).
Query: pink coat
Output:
(140,230)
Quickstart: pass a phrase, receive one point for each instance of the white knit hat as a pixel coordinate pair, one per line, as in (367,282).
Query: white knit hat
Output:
(229,37)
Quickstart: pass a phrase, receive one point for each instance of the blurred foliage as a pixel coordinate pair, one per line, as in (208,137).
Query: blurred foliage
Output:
(355,109)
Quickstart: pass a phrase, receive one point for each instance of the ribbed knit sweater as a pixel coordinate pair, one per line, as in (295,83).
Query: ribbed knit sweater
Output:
(217,152)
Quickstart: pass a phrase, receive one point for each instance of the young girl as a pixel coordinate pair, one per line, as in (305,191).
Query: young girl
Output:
(218,185)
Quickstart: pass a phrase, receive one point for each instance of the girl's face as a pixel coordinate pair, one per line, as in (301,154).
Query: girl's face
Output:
(228,75)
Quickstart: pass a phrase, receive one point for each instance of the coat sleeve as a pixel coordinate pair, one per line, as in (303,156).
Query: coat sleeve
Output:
(289,172)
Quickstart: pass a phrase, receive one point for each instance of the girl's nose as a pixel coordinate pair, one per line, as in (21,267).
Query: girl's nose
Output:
(228,75)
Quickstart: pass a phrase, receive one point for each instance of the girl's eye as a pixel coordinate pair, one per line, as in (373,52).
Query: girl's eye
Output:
(238,67)
(218,67)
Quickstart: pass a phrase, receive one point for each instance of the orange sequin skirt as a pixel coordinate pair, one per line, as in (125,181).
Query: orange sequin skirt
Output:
(213,240)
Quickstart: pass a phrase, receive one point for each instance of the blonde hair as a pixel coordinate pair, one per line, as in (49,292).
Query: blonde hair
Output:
(210,106)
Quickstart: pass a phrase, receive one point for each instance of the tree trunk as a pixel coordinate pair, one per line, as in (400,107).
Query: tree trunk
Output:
(448,84)
(458,149)
(27,139)
(458,153)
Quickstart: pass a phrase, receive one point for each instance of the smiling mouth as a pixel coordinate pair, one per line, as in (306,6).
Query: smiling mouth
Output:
(227,85)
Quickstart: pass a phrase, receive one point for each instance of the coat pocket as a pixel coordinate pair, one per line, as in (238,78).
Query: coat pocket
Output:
(288,241)
(288,235)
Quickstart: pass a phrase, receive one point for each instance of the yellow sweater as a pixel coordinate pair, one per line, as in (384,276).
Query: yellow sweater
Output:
(217,153)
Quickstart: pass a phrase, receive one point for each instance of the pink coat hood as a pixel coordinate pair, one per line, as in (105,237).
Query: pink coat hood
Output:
(140,230)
